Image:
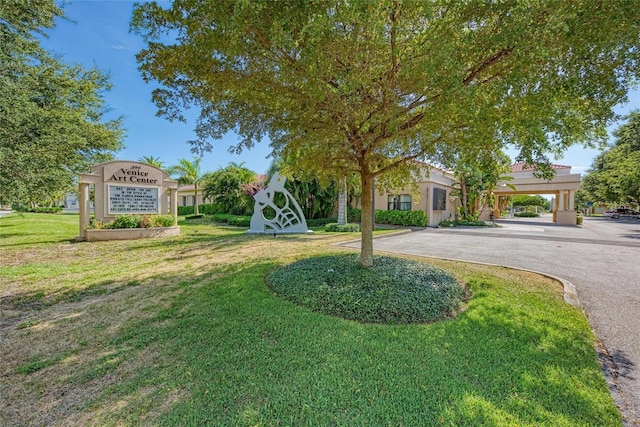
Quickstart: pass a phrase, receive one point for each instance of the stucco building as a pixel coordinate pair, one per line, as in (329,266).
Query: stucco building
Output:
(437,193)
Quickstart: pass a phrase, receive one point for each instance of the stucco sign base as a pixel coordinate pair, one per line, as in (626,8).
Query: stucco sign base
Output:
(131,233)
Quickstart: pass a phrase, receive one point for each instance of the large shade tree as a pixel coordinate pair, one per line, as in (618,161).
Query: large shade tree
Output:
(367,87)
(614,176)
(52,115)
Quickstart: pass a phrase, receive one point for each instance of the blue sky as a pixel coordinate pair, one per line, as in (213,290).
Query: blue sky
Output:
(97,35)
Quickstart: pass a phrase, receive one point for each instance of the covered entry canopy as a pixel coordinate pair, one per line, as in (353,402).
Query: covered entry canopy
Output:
(563,186)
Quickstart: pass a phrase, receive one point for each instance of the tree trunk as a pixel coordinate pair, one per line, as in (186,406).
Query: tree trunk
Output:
(366,248)
(342,202)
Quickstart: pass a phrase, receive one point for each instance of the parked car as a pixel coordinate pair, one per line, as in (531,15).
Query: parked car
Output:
(622,213)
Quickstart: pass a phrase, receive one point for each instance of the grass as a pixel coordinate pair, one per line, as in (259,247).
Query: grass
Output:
(183,331)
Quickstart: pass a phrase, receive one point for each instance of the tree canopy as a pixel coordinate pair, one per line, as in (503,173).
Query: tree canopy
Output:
(51,114)
(614,176)
(527,200)
(367,87)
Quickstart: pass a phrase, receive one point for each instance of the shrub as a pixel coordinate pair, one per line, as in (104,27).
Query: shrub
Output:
(95,224)
(239,220)
(194,216)
(466,223)
(49,209)
(526,214)
(406,218)
(124,221)
(354,215)
(164,220)
(185,210)
(394,290)
(134,221)
(474,223)
(207,209)
(318,222)
(333,227)
(222,217)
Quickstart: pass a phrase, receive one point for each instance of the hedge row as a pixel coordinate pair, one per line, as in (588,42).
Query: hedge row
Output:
(526,214)
(406,218)
(334,226)
(354,215)
(52,209)
(237,220)
(204,208)
(319,222)
(462,222)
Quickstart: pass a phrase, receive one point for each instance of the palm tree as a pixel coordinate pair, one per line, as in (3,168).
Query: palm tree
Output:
(152,161)
(189,173)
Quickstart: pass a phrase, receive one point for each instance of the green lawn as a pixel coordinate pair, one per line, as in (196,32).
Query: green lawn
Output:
(184,332)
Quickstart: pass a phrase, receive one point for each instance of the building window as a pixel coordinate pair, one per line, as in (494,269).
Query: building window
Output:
(439,199)
(400,202)
(184,200)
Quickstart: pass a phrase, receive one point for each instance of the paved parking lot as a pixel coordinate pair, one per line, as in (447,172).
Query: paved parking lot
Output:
(601,258)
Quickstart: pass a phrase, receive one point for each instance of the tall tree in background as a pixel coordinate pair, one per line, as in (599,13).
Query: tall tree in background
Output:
(152,161)
(526,201)
(614,176)
(189,173)
(355,86)
(51,114)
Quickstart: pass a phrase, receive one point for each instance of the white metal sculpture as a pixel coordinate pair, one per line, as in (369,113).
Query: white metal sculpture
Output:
(272,216)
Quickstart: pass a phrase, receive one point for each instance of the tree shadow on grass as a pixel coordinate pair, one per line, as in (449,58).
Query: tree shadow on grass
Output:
(242,356)
(31,241)
(223,350)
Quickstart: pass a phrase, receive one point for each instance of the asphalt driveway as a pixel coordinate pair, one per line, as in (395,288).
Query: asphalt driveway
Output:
(601,258)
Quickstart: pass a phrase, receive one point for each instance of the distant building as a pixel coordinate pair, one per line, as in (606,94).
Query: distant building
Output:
(186,196)
(438,195)
(562,187)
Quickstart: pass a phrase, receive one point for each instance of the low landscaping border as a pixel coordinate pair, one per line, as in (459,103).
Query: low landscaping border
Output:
(101,235)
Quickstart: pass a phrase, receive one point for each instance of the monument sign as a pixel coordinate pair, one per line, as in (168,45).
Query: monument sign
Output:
(122,187)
